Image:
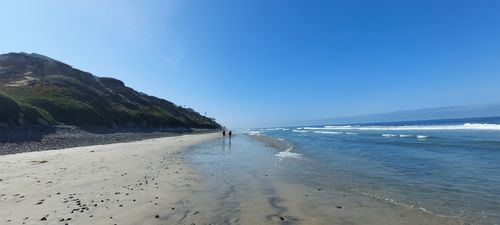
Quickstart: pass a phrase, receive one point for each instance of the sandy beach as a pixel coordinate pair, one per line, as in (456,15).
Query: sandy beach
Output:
(142,182)
(155,182)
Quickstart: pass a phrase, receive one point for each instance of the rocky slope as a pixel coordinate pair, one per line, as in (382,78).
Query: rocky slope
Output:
(38,90)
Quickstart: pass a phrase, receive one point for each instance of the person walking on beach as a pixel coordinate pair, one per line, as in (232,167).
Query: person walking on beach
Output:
(230,134)
(223,133)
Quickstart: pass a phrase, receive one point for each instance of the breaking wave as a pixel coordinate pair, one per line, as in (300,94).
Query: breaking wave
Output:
(284,147)
(466,126)
(327,132)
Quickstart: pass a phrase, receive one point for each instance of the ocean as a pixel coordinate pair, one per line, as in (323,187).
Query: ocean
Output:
(446,168)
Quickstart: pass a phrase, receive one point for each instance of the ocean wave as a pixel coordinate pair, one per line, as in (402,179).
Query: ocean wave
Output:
(288,154)
(327,132)
(421,136)
(404,135)
(249,132)
(465,126)
(316,128)
(300,131)
(388,135)
(347,126)
(284,147)
(277,128)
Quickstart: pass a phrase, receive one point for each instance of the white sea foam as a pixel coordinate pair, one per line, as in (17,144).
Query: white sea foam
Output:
(466,126)
(327,132)
(288,154)
(421,136)
(351,133)
(404,135)
(312,128)
(252,132)
(388,135)
(277,128)
(347,126)
(300,131)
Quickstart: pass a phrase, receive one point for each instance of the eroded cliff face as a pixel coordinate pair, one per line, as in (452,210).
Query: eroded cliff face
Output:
(38,90)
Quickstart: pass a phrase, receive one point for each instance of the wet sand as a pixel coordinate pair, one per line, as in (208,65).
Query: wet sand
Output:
(243,182)
(171,181)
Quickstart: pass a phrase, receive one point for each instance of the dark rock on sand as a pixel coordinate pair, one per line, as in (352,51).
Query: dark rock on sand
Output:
(28,139)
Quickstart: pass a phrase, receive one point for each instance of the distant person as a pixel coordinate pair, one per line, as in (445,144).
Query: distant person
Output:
(223,133)
(230,134)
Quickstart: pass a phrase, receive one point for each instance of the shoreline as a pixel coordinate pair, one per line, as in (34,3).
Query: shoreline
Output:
(32,139)
(252,186)
(141,182)
(158,181)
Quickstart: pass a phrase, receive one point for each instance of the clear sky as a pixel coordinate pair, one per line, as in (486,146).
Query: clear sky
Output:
(252,63)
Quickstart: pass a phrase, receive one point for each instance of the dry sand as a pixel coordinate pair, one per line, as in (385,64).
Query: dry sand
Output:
(127,183)
(149,182)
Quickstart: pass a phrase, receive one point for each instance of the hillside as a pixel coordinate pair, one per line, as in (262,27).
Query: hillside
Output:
(38,90)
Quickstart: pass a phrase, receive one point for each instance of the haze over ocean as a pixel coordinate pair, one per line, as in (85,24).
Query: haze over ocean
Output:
(255,63)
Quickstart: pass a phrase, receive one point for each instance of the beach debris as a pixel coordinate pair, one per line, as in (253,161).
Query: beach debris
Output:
(39,161)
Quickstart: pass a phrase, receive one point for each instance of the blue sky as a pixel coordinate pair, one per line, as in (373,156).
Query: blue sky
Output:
(252,63)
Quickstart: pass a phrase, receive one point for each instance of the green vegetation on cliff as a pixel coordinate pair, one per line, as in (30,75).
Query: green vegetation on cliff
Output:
(37,90)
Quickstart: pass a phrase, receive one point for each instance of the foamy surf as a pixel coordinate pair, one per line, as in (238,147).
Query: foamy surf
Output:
(327,132)
(284,147)
(275,129)
(288,154)
(252,132)
(465,126)
(403,136)
(405,162)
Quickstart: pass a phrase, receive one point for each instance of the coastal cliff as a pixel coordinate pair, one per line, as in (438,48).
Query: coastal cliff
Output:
(40,91)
